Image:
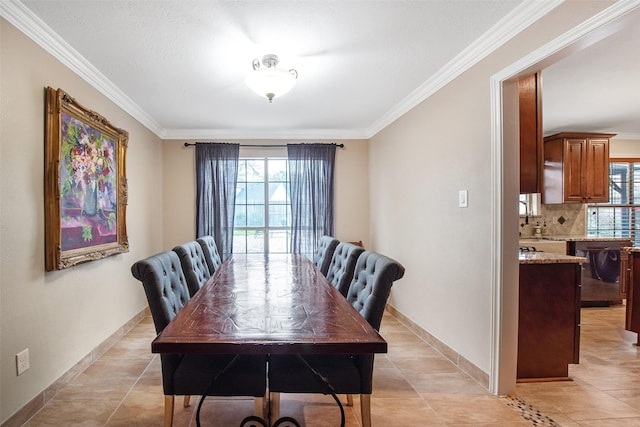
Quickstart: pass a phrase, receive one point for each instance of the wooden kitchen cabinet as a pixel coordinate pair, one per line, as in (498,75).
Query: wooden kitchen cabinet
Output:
(576,168)
(530,108)
(632,319)
(625,273)
(548,321)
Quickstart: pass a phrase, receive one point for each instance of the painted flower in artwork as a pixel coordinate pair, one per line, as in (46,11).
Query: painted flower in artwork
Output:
(88,176)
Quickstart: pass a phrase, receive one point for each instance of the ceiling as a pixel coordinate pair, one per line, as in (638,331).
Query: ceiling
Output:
(597,89)
(179,66)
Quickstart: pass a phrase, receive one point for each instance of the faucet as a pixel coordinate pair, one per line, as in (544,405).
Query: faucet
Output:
(526,212)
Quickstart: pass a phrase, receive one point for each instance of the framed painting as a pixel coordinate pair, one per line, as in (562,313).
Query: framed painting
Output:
(85,184)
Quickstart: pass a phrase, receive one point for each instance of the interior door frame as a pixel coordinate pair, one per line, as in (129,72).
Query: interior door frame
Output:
(504,268)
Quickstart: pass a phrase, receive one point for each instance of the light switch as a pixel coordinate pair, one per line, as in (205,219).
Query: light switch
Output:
(463,201)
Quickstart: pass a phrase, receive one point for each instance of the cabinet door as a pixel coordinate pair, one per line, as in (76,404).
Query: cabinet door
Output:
(575,169)
(625,267)
(530,133)
(597,178)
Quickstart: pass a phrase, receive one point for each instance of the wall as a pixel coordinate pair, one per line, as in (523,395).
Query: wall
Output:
(351,187)
(60,316)
(624,148)
(420,162)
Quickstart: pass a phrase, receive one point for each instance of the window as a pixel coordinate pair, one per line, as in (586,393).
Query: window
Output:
(529,204)
(263,209)
(618,217)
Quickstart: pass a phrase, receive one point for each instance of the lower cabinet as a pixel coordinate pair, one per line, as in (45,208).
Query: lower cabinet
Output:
(632,321)
(549,321)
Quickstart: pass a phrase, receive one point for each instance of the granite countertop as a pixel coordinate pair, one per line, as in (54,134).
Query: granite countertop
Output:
(631,249)
(582,238)
(549,258)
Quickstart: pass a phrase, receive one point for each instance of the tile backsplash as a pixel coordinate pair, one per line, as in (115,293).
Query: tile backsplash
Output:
(561,220)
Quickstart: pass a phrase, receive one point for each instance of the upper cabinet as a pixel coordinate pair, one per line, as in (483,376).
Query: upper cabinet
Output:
(530,106)
(576,168)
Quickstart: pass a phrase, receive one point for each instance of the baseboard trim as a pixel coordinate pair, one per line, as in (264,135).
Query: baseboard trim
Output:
(465,365)
(34,405)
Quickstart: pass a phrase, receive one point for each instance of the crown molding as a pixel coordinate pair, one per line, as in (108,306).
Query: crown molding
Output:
(508,27)
(332,134)
(504,30)
(33,27)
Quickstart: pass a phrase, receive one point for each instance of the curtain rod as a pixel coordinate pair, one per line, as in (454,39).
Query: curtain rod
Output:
(187,144)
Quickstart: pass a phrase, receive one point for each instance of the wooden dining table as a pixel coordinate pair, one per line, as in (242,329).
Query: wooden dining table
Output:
(275,304)
(268,304)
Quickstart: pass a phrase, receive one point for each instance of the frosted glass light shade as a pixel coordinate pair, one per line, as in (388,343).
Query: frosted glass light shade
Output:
(270,82)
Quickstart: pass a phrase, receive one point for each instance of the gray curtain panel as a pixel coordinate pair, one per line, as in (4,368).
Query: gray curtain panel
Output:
(216,176)
(311,169)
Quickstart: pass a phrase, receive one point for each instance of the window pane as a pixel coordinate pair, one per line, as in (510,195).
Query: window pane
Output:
(241,193)
(609,221)
(255,170)
(262,202)
(636,227)
(255,242)
(240,218)
(255,193)
(636,183)
(615,218)
(278,193)
(279,241)
(279,216)
(255,215)
(618,183)
(242,170)
(278,170)
(239,241)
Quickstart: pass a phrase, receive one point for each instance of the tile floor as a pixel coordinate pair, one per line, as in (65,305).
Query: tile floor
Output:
(413,386)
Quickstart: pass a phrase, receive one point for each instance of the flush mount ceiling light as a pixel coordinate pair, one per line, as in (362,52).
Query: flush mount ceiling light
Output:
(270,81)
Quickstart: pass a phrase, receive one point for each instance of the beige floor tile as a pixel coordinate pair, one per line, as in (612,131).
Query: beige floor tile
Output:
(465,409)
(390,383)
(104,380)
(317,410)
(413,367)
(403,412)
(414,385)
(446,383)
(130,347)
(615,422)
(144,406)
(74,413)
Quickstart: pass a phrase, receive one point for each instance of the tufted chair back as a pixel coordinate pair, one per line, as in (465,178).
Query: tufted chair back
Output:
(324,252)
(164,284)
(371,285)
(342,266)
(211,254)
(191,374)
(193,264)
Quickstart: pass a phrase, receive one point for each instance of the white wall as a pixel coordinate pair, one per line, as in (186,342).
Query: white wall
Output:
(624,148)
(419,163)
(351,187)
(60,316)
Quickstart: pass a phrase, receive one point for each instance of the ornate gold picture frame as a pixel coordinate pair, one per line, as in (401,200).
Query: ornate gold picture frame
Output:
(85,184)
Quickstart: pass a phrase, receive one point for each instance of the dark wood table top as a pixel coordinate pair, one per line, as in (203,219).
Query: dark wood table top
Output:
(280,304)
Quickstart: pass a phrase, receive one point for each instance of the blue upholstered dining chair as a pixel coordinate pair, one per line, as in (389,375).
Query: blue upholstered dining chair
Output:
(322,258)
(343,264)
(211,254)
(190,374)
(194,265)
(348,374)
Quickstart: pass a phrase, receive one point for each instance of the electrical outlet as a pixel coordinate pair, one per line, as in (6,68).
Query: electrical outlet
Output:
(22,361)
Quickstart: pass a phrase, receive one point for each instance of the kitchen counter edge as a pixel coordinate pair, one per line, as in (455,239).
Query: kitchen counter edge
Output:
(549,258)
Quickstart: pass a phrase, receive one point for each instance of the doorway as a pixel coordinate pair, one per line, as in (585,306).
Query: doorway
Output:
(504,195)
